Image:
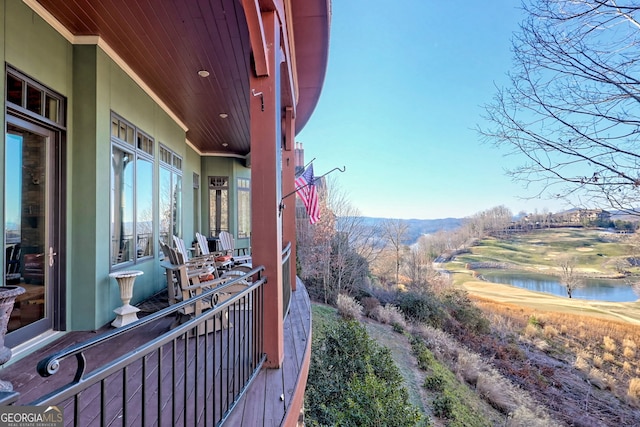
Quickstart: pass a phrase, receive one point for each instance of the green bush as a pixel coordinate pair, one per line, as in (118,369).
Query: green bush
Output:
(452,400)
(421,307)
(354,382)
(369,401)
(398,327)
(423,354)
(462,309)
(443,405)
(434,382)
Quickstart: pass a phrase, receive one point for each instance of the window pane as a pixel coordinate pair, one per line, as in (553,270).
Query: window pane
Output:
(122,180)
(145,143)
(166,217)
(51,108)
(34,99)
(218,210)
(130,133)
(114,127)
(177,208)
(244,213)
(123,131)
(165,155)
(14,90)
(244,207)
(144,208)
(13,189)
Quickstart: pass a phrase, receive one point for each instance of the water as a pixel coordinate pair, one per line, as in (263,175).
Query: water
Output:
(593,289)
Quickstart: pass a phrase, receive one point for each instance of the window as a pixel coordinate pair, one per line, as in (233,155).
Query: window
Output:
(218,204)
(33,99)
(131,193)
(244,208)
(170,195)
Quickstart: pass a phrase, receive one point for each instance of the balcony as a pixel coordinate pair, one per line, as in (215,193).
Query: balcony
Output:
(204,371)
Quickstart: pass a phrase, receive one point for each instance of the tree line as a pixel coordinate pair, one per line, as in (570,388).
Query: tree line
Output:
(343,253)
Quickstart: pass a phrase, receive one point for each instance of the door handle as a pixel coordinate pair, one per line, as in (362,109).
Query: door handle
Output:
(51,255)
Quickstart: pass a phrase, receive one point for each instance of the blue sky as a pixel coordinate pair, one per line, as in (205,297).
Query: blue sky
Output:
(404,91)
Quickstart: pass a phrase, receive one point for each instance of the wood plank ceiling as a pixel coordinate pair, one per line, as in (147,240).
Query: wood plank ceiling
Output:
(166,43)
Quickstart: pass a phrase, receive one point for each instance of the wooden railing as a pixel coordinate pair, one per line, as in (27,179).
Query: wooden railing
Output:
(192,374)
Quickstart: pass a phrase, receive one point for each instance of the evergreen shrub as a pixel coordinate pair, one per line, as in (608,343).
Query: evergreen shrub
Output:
(353,381)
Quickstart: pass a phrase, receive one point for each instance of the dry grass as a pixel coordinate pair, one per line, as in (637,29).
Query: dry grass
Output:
(390,315)
(492,388)
(588,328)
(627,342)
(549,331)
(531,331)
(582,364)
(604,350)
(609,344)
(600,379)
(634,388)
(348,307)
(521,408)
(629,353)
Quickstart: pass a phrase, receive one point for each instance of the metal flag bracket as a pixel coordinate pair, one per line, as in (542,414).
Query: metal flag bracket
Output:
(282,206)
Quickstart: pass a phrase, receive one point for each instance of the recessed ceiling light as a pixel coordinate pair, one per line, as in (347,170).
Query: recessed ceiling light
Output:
(203,73)
(223,115)
(224,144)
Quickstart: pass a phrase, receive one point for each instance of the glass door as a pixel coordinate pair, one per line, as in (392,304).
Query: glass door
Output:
(31,234)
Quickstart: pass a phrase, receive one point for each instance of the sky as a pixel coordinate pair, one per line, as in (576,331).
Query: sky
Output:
(404,93)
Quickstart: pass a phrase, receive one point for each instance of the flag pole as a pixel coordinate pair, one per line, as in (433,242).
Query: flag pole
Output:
(306,166)
(281,205)
(343,169)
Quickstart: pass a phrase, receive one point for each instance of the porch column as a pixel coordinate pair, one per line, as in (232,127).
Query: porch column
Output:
(288,187)
(266,193)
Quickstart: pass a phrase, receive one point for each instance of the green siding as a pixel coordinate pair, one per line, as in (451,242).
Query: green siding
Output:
(82,247)
(33,47)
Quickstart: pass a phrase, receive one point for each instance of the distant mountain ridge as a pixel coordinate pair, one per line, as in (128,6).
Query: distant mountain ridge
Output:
(420,227)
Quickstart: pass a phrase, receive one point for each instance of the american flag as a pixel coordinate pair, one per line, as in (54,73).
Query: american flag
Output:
(306,189)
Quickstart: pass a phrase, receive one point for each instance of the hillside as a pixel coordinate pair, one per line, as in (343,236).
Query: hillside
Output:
(419,227)
(529,359)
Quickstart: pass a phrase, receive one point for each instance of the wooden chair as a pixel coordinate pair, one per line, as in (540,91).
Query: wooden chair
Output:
(227,244)
(185,281)
(203,244)
(222,262)
(204,262)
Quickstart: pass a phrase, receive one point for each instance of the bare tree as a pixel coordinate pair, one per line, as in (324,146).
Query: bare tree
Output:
(572,105)
(568,275)
(416,266)
(335,252)
(395,232)
(354,244)
(314,250)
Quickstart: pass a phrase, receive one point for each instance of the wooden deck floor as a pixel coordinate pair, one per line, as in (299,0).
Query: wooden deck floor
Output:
(266,402)
(278,387)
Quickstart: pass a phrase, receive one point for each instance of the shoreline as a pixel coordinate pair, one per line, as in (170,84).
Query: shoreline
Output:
(628,312)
